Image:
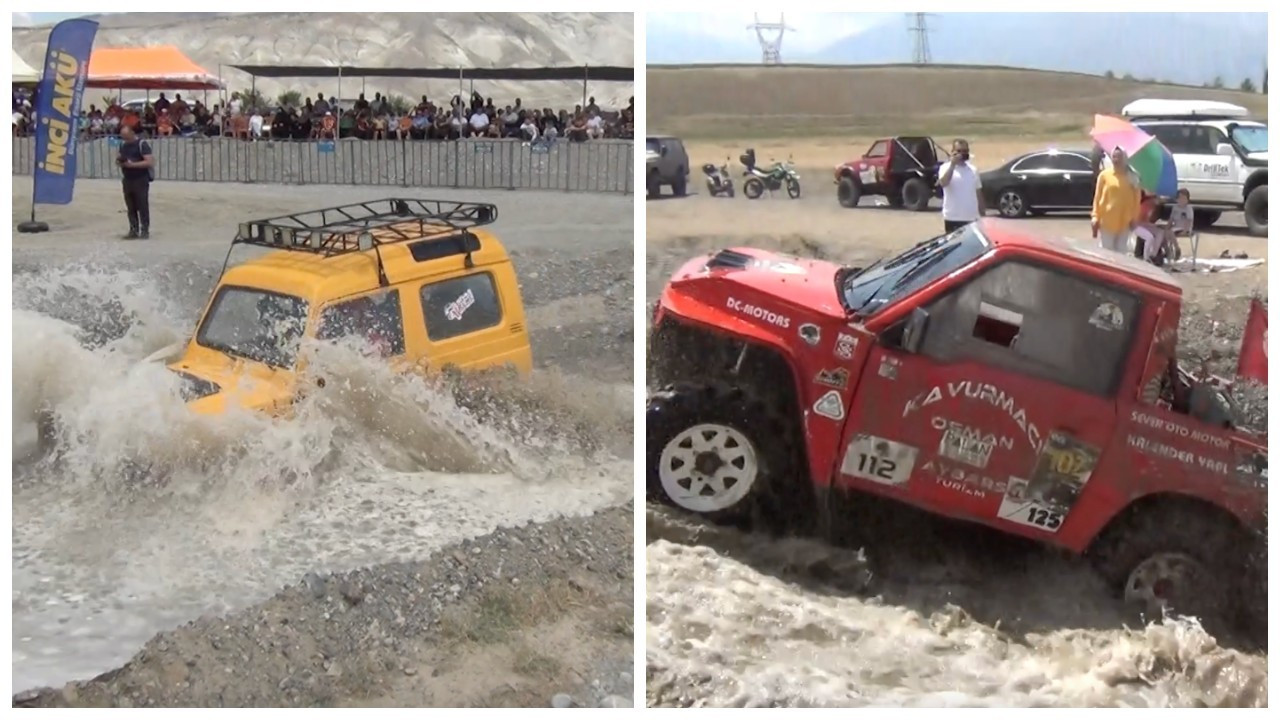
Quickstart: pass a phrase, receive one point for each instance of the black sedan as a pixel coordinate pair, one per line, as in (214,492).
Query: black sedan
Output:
(1040,182)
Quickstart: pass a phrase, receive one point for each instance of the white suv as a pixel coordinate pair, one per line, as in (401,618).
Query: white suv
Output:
(1221,156)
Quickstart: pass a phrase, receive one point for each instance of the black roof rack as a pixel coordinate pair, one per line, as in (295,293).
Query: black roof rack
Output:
(349,228)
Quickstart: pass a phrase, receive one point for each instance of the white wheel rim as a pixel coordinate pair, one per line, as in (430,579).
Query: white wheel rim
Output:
(694,489)
(1144,586)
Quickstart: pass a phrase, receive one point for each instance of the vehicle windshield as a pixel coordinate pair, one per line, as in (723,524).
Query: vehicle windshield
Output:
(885,281)
(255,324)
(1253,138)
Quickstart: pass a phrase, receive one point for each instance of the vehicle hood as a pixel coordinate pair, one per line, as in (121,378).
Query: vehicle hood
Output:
(215,383)
(775,283)
(1264,156)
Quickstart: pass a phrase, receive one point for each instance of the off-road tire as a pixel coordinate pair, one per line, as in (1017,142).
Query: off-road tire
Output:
(894,198)
(654,185)
(678,186)
(915,194)
(753,188)
(778,498)
(1255,211)
(1185,530)
(793,188)
(848,192)
(1011,204)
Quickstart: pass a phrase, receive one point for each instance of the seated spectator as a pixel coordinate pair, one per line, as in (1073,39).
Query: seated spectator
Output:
(595,125)
(380,121)
(529,129)
(328,126)
(479,122)
(256,122)
(347,124)
(164,124)
(578,129)
(404,127)
(422,122)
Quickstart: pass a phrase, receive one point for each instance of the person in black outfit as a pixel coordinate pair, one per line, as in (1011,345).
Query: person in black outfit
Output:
(135,164)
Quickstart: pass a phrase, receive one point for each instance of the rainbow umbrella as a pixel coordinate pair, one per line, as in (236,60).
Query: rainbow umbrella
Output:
(1147,156)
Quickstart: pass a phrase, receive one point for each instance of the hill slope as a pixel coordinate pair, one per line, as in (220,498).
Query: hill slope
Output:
(1192,48)
(757,101)
(380,40)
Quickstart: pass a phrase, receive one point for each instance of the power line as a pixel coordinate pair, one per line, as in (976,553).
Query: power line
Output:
(770,46)
(920,35)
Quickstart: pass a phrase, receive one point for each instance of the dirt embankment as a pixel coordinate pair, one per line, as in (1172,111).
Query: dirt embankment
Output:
(527,616)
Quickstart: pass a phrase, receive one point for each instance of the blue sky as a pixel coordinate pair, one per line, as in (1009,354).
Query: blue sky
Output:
(21,19)
(813,31)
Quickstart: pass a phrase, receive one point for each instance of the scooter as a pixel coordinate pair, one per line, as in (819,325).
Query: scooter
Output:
(718,180)
(781,174)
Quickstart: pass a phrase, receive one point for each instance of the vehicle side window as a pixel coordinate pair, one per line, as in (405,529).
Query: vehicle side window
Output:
(460,306)
(376,319)
(1213,136)
(1039,161)
(1039,322)
(1177,139)
(879,149)
(1070,162)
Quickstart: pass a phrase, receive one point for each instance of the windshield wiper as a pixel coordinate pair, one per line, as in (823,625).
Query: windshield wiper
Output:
(923,265)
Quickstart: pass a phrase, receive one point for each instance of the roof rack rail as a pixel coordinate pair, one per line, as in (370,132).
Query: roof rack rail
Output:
(351,228)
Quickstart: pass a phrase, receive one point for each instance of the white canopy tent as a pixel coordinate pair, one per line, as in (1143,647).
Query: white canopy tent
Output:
(22,72)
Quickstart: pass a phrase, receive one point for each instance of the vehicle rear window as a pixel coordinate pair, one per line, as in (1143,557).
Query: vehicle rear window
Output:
(1037,321)
(375,319)
(254,324)
(460,306)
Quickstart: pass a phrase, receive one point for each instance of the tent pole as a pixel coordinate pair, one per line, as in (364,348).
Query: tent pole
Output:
(585,73)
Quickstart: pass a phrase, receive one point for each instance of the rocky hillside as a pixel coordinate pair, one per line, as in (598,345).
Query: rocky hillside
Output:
(380,40)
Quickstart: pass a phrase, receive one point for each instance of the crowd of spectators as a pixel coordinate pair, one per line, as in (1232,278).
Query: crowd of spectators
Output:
(323,119)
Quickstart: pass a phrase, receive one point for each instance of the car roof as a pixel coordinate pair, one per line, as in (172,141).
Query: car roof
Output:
(320,279)
(1016,234)
(1154,108)
(662,137)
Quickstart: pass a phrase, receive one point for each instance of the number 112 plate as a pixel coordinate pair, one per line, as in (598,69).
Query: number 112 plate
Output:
(879,460)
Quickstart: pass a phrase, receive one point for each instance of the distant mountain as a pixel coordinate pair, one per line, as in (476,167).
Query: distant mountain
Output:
(1190,48)
(379,40)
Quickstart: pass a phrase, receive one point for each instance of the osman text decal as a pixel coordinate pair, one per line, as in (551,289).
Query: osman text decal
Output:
(66,67)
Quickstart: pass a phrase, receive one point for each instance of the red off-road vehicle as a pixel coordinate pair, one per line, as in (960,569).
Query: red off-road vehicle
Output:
(1030,384)
(902,169)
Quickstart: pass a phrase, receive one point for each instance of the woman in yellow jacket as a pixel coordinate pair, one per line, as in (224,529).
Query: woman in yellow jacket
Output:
(1116,203)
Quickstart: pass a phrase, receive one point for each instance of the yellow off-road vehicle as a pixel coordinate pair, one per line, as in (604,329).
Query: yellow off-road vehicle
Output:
(414,279)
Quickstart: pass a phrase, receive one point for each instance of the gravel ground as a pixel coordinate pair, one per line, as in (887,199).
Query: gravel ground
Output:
(513,617)
(409,634)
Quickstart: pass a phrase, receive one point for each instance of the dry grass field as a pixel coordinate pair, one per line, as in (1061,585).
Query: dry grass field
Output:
(744,102)
(820,116)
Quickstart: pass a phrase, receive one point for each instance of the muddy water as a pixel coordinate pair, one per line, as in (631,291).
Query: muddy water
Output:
(742,620)
(374,468)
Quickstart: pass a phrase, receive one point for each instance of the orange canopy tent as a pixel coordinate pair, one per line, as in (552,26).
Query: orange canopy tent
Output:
(149,68)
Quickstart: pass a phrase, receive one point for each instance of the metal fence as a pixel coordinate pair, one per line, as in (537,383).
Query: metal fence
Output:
(594,166)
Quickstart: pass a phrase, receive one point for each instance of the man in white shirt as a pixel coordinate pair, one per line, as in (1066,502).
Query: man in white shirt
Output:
(479,123)
(529,129)
(962,201)
(255,125)
(595,125)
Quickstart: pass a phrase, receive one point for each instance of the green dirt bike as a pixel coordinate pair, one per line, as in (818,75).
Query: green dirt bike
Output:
(775,178)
